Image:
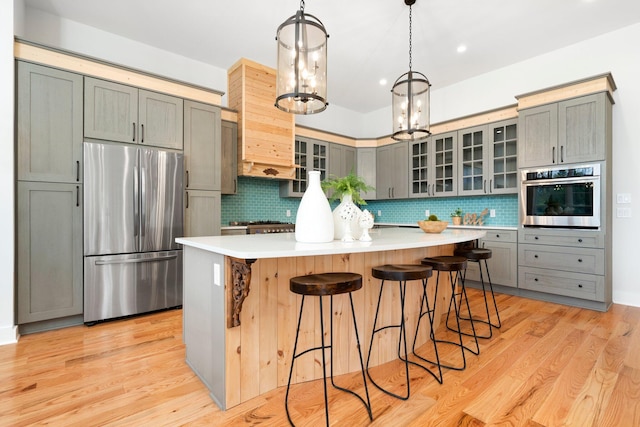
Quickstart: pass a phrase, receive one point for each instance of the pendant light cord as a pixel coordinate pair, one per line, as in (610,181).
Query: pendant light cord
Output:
(410,34)
(302,5)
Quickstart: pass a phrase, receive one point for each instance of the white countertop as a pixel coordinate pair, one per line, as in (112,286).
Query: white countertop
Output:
(254,246)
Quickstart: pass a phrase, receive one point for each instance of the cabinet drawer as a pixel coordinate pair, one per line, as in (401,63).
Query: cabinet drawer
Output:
(580,239)
(585,286)
(509,236)
(578,260)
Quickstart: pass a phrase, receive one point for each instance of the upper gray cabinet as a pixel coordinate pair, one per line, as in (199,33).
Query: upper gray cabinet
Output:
(433,166)
(202,137)
(123,113)
(49,124)
(310,155)
(392,171)
(571,131)
(366,169)
(488,159)
(229,156)
(342,160)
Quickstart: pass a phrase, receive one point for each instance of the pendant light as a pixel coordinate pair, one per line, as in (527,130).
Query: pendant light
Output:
(301,86)
(410,100)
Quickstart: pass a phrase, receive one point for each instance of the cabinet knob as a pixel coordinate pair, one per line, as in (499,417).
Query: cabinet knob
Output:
(536,238)
(579,285)
(535,256)
(535,279)
(497,236)
(579,259)
(579,240)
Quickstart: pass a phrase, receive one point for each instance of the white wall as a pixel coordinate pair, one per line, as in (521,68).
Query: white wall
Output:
(7,242)
(615,52)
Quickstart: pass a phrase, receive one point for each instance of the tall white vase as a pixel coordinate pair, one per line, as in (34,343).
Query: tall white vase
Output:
(345,219)
(314,220)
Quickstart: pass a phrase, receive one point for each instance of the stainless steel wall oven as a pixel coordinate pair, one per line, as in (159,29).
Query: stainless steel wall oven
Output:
(561,196)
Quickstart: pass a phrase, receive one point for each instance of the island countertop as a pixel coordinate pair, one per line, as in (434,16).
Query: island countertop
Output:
(256,246)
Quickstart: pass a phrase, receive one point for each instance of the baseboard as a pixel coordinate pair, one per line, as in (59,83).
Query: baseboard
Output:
(8,335)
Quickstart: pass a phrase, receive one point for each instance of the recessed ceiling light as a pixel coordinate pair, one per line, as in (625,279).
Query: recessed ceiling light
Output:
(461,48)
(383,82)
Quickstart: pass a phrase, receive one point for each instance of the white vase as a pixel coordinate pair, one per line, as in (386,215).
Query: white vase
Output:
(314,220)
(345,220)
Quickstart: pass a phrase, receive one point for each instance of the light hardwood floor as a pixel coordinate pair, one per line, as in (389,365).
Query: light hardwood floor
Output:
(549,365)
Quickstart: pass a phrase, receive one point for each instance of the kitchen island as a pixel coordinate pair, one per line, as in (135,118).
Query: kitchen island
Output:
(240,316)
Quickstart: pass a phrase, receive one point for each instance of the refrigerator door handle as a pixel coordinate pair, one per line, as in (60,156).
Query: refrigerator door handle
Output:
(135,261)
(136,207)
(143,205)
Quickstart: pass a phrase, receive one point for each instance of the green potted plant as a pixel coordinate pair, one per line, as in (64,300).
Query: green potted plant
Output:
(456,216)
(345,217)
(350,185)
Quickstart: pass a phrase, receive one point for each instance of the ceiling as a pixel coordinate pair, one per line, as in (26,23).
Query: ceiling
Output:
(368,39)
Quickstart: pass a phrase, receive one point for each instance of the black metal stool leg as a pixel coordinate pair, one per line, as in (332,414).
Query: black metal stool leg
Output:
(293,358)
(431,314)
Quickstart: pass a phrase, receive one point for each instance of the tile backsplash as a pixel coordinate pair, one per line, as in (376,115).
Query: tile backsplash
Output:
(259,199)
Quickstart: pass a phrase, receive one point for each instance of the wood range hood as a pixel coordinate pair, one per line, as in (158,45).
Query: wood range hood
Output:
(265,133)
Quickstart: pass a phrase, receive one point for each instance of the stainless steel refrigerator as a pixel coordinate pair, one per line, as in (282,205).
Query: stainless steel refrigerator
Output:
(132,215)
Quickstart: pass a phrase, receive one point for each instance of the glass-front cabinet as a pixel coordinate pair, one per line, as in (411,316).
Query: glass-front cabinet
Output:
(488,159)
(504,147)
(433,166)
(310,155)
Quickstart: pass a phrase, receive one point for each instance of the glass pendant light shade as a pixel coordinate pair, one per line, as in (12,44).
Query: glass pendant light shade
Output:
(302,64)
(410,106)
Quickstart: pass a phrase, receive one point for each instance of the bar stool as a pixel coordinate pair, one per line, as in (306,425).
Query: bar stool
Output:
(402,273)
(454,264)
(478,255)
(320,285)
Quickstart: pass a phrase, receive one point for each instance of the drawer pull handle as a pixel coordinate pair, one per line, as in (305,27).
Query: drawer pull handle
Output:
(579,259)
(535,280)
(536,238)
(535,256)
(579,240)
(579,285)
(498,236)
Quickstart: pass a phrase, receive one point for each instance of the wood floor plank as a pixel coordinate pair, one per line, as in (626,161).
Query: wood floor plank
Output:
(548,365)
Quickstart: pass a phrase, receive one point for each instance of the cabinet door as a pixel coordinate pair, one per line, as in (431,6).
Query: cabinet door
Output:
(229,157)
(110,111)
(420,159)
(366,168)
(444,164)
(310,154)
(392,171)
(49,239)
(473,163)
(503,167)
(503,264)
(538,136)
(202,146)
(581,131)
(161,120)
(202,213)
(49,129)
(342,160)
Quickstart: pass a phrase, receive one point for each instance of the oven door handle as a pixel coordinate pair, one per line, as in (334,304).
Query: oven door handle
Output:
(569,180)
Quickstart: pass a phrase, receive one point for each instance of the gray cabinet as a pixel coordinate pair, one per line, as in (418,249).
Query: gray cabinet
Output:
(202,134)
(310,155)
(49,124)
(202,213)
(571,131)
(392,171)
(488,159)
(49,251)
(366,169)
(503,264)
(342,160)
(473,164)
(432,164)
(567,264)
(229,157)
(118,112)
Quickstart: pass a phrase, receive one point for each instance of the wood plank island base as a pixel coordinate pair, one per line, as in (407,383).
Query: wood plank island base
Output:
(243,354)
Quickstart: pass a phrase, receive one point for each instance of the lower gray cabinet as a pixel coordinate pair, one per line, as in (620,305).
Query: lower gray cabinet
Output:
(49,254)
(567,265)
(202,213)
(503,264)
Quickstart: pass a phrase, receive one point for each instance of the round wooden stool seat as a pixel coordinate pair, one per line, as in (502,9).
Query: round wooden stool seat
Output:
(325,283)
(473,254)
(401,272)
(446,263)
